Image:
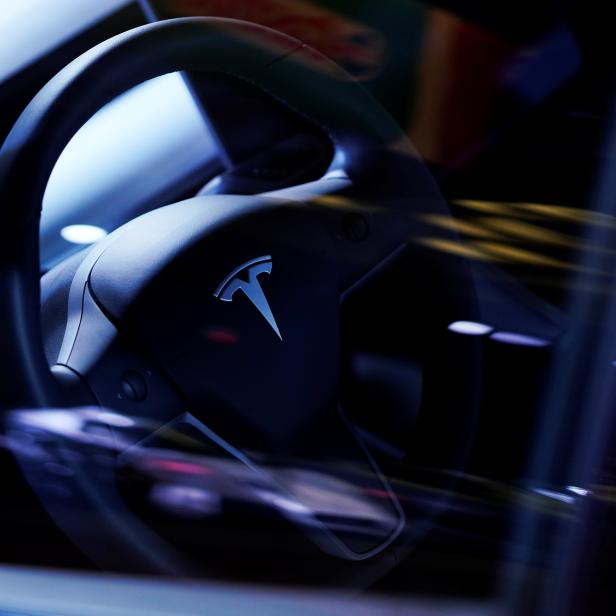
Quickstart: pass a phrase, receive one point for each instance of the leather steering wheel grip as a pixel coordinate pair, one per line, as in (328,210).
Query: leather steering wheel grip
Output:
(280,65)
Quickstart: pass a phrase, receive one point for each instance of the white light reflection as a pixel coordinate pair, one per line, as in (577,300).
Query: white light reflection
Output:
(519,339)
(82,234)
(85,425)
(141,145)
(31,28)
(559,496)
(578,491)
(470,328)
(188,501)
(115,419)
(283,503)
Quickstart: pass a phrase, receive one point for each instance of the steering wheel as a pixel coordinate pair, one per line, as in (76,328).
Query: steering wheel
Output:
(229,318)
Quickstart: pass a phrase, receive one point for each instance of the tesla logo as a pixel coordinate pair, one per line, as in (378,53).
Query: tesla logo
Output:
(251,287)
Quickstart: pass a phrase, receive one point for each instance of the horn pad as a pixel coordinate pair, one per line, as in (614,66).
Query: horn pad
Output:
(237,300)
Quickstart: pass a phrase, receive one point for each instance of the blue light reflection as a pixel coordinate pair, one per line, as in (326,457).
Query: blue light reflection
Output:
(136,148)
(31,28)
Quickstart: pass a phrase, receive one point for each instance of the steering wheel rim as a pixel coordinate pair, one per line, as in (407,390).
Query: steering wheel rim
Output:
(354,121)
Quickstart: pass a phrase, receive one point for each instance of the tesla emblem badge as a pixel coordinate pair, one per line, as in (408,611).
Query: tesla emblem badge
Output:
(251,288)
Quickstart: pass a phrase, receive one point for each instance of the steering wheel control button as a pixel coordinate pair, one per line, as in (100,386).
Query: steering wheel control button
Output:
(134,386)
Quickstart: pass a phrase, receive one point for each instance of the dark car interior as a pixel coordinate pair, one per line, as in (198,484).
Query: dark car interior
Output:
(320,298)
